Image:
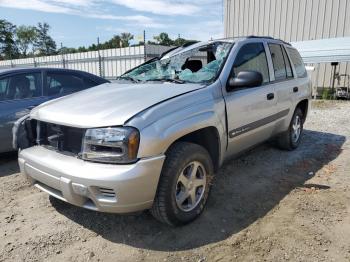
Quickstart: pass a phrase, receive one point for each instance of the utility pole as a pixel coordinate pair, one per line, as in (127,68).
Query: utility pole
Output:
(62,54)
(144,45)
(99,57)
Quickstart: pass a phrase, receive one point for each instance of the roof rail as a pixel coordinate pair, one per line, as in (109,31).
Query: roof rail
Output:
(268,37)
(255,36)
(284,42)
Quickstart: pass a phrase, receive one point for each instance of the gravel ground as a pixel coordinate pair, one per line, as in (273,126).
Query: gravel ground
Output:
(267,205)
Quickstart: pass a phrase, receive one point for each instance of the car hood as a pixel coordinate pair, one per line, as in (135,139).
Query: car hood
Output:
(108,104)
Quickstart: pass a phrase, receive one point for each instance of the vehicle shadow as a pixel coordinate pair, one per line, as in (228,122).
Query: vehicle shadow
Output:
(8,164)
(245,189)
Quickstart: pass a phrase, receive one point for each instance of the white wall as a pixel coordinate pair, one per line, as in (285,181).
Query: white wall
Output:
(112,62)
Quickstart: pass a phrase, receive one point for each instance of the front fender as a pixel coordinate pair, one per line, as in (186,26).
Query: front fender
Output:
(177,118)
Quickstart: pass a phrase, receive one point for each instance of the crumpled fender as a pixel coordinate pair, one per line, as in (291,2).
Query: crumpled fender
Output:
(20,138)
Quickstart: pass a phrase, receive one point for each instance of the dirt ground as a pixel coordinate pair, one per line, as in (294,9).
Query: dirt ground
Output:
(267,205)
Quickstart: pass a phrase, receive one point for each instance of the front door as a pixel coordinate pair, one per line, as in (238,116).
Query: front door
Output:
(251,112)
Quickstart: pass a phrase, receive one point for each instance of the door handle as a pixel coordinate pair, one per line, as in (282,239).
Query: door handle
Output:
(295,89)
(270,96)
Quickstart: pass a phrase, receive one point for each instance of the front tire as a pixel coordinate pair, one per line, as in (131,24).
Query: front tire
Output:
(290,139)
(184,184)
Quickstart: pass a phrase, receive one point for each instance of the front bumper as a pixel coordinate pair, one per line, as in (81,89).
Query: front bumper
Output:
(95,186)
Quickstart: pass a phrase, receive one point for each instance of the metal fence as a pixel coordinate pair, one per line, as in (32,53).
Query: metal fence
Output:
(107,63)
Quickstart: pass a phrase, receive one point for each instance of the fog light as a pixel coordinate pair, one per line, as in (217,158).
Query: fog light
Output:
(80,189)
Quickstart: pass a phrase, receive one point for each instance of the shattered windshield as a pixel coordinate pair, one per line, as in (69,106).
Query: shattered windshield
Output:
(198,64)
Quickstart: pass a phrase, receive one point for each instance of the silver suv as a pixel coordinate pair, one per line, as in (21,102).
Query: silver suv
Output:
(155,139)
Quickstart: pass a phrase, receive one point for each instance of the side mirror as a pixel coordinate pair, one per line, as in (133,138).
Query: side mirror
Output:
(245,79)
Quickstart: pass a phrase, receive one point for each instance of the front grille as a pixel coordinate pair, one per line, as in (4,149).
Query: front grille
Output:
(60,138)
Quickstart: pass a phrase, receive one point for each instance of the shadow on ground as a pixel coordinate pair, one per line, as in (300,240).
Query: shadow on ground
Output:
(245,189)
(8,164)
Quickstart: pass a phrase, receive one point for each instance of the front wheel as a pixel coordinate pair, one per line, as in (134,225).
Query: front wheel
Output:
(290,139)
(184,184)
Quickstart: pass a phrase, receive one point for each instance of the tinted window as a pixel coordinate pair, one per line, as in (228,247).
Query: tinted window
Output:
(20,86)
(3,87)
(297,61)
(61,83)
(252,57)
(279,65)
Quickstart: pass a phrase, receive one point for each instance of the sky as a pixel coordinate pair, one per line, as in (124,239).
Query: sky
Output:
(79,22)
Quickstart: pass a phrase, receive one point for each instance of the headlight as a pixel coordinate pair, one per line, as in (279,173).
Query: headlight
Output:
(117,145)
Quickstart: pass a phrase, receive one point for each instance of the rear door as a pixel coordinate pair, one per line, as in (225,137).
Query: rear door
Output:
(302,84)
(19,93)
(283,82)
(251,112)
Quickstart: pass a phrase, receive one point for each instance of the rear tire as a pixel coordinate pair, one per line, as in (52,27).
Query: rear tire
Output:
(290,139)
(184,184)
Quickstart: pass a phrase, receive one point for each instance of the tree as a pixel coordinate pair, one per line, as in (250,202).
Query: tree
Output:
(26,36)
(180,41)
(125,38)
(66,50)
(114,42)
(93,47)
(82,49)
(164,39)
(8,49)
(44,42)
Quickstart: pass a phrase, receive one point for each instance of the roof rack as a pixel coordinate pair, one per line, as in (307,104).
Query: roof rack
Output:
(268,37)
(255,36)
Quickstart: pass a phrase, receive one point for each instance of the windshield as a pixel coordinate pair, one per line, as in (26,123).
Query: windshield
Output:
(199,64)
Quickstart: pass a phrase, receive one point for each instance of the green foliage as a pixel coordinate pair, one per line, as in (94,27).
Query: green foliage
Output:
(26,36)
(8,48)
(125,38)
(164,39)
(44,43)
(114,42)
(180,41)
(327,94)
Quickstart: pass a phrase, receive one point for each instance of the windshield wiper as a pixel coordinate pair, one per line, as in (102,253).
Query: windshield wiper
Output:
(128,78)
(177,81)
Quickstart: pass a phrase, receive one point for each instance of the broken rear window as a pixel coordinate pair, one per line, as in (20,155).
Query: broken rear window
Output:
(199,64)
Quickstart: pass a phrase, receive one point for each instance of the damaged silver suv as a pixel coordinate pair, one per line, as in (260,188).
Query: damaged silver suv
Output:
(155,139)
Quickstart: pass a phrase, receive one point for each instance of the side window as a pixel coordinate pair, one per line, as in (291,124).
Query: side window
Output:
(297,61)
(20,86)
(3,87)
(279,65)
(288,65)
(252,57)
(62,83)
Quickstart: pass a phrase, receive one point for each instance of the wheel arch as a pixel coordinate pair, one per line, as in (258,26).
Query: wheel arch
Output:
(208,138)
(304,106)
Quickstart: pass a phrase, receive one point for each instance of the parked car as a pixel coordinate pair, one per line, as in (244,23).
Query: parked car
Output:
(23,89)
(155,139)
